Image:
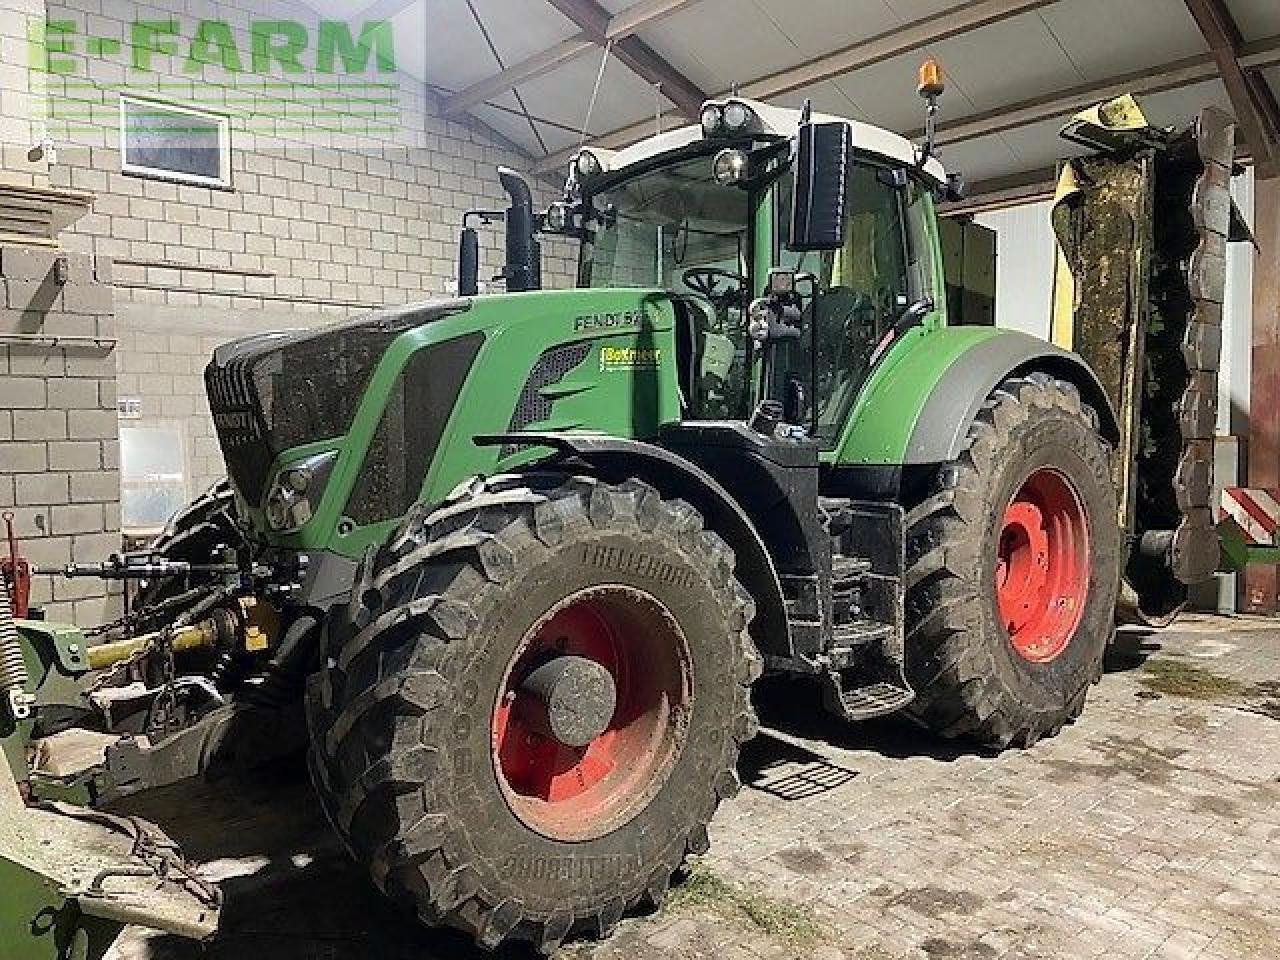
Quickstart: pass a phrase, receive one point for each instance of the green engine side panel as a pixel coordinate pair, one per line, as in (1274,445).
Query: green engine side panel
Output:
(624,385)
(883,417)
(37,922)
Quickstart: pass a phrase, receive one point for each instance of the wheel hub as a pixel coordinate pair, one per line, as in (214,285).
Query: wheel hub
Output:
(1042,566)
(592,713)
(577,697)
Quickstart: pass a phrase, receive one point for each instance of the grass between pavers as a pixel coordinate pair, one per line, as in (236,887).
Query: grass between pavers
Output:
(704,890)
(1180,678)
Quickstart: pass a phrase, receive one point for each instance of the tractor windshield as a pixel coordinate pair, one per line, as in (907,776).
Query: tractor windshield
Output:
(676,228)
(670,228)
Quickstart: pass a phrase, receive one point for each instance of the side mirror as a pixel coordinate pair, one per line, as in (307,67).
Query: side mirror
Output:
(819,206)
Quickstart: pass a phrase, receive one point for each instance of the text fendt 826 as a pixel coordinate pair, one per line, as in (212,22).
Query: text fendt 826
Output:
(523,555)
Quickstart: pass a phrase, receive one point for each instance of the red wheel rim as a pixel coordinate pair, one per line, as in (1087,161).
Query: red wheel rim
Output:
(577,793)
(1042,566)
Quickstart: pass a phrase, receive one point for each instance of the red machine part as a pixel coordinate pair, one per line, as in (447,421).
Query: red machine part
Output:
(16,572)
(581,790)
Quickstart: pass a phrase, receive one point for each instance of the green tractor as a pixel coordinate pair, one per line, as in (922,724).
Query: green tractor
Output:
(528,552)
(554,536)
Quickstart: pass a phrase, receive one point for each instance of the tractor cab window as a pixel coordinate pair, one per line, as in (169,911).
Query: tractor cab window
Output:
(863,288)
(676,228)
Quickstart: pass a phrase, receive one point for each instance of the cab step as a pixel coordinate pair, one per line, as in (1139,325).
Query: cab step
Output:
(862,632)
(851,642)
(863,703)
(846,568)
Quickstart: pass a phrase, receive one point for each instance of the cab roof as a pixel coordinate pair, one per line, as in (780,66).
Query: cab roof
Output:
(773,123)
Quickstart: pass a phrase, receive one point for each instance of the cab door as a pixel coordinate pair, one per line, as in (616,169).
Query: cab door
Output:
(863,289)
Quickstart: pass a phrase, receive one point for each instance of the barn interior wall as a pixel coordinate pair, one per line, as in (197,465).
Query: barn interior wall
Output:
(314,227)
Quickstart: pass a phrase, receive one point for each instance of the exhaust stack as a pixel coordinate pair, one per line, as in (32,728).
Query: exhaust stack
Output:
(524,254)
(469,262)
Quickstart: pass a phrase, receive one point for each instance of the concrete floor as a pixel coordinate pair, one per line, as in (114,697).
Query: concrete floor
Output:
(1151,828)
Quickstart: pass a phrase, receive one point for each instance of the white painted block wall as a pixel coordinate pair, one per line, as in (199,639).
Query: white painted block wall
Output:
(1024,266)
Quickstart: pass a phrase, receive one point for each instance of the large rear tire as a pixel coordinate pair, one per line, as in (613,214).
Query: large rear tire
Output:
(1013,568)
(479,802)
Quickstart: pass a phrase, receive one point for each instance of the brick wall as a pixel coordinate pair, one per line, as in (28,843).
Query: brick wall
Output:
(316,228)
(20,92)
(318,215)
(317,224)
(58,435)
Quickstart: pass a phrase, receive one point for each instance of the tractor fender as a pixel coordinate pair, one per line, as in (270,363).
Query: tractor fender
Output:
(941,429)
(617,458)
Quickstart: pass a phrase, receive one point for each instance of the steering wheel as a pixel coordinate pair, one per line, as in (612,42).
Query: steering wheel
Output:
(705,281)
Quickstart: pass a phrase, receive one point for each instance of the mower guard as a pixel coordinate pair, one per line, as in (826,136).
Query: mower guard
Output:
(72,879)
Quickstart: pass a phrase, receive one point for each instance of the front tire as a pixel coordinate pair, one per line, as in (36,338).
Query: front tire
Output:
(1013,568)
(444,774)
(192,535)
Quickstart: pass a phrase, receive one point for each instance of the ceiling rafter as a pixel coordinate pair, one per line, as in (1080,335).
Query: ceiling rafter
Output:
(626,23)
(493,49)
(1252,99)
(1169,76)
(638,56)
(916,35)
(1257,56)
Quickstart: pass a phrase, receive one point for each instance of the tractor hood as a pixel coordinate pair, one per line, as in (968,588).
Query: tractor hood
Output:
(331,435)
(271,392)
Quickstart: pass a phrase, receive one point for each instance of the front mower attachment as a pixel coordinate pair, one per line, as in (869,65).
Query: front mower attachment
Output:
(72,879)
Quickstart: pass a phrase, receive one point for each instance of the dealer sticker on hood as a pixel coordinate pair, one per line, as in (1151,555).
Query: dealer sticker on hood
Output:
(630,358)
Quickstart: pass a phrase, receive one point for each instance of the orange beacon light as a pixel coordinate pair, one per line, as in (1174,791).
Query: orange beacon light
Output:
(931,82)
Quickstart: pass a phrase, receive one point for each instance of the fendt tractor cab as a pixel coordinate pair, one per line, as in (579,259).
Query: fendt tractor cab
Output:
(529,551)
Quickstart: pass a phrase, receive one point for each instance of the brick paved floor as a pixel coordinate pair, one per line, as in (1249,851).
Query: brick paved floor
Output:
(1150,828)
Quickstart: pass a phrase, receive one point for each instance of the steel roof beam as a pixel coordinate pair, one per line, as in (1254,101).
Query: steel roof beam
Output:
(1169,76)
(960,19)
(623,24)
(1261,55)
(916,35)
(515,75)
(1252,100)
(639,57)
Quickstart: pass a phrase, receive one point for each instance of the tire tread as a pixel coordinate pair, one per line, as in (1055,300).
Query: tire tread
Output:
(420,595)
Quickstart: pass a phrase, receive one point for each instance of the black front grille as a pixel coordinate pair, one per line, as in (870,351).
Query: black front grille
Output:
(241,429)
(272,392)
